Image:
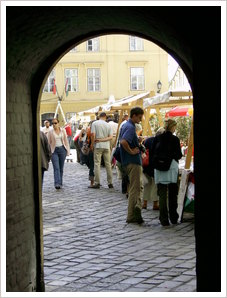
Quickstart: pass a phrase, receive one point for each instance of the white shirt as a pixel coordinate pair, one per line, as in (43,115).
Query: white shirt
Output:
(114,127)
(46,129)
(58,139)
(102,130)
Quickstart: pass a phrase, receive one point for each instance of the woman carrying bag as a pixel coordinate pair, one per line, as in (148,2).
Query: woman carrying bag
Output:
(57,139)
(166,154)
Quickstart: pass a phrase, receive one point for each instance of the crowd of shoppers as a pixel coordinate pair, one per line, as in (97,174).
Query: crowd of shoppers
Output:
(157,181)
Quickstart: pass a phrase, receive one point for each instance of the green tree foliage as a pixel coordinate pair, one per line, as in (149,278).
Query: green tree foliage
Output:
(183,126)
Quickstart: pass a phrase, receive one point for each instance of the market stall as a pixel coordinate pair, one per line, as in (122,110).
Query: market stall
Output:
(180,107)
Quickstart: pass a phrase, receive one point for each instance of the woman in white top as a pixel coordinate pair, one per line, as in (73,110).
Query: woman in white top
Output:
(60,148)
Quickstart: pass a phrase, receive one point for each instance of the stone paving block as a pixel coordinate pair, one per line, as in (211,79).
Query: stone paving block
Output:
(183,278)
(132,280)
(70,279)
(50,277)
(170,273)
(58,283)
(185,288)
(187,265)
(146,274)
(48,271)
(170,284)
(190,272)
(102,274)
(118,287)
(89,280)
(64,272)
(82,273)
(77,287)
(169,264)
(162,277)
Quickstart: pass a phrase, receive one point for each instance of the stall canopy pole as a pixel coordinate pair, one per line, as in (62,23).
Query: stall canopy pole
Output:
(159,117)
(145,121)
(190,147)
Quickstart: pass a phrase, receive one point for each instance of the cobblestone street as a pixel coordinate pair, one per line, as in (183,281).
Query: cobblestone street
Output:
(89,247)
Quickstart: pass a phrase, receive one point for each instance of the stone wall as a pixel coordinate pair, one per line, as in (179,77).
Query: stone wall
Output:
(20,218)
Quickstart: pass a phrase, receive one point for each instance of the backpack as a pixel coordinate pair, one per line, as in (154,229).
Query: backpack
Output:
(161,160)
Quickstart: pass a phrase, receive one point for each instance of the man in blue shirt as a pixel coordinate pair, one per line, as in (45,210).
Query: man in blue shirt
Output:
(132,162)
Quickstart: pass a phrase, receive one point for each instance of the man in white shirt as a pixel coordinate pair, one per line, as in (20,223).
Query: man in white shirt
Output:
(46,128)
(101,135)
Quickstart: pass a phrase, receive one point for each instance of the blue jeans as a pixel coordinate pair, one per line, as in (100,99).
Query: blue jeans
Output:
(58,160)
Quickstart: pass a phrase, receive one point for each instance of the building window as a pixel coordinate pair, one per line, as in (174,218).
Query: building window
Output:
(93,79)
(137,78)
(93,45)
(73,50)
(50,82)
(71,77)
(135,43)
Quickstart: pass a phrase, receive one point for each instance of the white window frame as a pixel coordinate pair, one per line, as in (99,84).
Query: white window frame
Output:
(72,75)
(136,43)
(49,85)
(137,78)
(93,45)
(92,78)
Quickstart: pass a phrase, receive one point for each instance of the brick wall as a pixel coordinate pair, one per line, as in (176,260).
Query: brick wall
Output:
(20,216)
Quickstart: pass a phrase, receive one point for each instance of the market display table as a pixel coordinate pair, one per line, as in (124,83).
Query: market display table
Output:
(186,190)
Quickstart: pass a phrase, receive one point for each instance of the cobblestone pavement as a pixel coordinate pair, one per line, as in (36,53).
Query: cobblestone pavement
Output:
(88,247)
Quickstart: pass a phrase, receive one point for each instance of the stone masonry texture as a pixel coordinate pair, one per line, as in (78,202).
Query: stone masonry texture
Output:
(89,247)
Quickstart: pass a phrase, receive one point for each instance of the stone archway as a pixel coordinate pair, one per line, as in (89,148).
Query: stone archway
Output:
(37,37)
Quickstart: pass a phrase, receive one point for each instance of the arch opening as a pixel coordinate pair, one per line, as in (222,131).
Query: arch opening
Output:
(78,44)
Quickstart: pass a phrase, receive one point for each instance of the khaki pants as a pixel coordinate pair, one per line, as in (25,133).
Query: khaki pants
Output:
(150,190)
(98,153)
(135,195)
(112,144)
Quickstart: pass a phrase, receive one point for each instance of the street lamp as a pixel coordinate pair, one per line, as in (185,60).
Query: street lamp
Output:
(159,86)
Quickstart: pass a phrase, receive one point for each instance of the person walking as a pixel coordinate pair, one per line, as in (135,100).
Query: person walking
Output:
(45,153)
(166,154)
(132,161)
(101,137)
(87,155)
(76,143)
(68,129)
(47,127)
(60,148)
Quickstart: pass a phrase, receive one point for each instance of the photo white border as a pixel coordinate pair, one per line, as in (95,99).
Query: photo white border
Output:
(4,4)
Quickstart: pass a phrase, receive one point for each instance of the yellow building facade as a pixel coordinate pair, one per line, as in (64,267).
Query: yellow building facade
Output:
(100,68)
